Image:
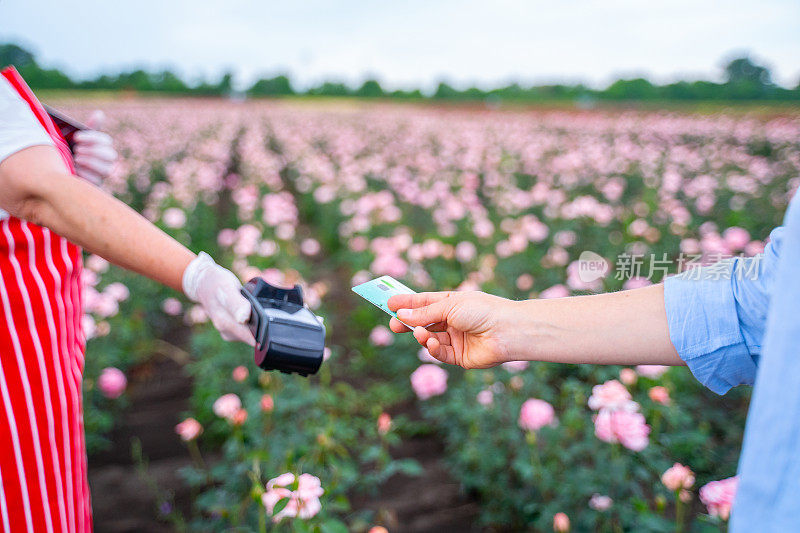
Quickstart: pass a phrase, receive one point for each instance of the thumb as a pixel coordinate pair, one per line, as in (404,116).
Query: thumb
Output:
(241,310)
(430,314)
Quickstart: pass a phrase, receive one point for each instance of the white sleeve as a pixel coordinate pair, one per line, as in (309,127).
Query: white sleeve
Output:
(19,127)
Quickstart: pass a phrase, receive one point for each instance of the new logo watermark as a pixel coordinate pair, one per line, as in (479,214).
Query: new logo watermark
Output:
(592,266)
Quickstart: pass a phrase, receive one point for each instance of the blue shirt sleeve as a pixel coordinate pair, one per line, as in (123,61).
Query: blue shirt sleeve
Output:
(716,316)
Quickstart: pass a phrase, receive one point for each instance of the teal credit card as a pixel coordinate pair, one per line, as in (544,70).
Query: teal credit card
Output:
(379,290)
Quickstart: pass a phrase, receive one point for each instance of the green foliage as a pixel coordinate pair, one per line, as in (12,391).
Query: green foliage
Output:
(745,80)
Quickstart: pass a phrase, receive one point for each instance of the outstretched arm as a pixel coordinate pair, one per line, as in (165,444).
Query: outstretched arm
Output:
(35,186)
(477,330)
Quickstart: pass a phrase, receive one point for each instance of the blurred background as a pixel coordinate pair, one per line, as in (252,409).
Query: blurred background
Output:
(453,145)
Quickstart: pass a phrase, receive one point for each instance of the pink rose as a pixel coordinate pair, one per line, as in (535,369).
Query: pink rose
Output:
(624,426)
(189,429)
(610,395)
(465,252)
(718,496)
(678,477)
(556,291)
(651,371)
(174,218)
(239,417)
(240,373)
(171,306)
(736,238)
(310,246)
(381,336)
(227,406)
(561,523)
(429,380)
(598,502)
(384,423)
(627,376)
(659,395)
(117,291)
(485,397)
(535,414)
(267,403)
(112,382)
(303,501)
(515,366)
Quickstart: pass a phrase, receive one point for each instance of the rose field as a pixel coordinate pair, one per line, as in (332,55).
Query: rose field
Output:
(331,194)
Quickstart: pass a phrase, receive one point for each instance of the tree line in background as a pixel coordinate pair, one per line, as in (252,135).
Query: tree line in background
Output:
(744,80)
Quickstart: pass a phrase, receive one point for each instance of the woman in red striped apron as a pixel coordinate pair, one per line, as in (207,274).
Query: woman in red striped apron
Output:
(47,214)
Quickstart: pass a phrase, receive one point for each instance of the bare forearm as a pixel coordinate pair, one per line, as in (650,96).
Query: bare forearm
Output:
(628,327)
(107,227)
(35,187)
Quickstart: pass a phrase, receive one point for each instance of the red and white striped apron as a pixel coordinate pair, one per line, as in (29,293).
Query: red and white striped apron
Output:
(42,448)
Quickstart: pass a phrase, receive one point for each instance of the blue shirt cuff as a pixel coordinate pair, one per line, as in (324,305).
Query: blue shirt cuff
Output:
(704,327)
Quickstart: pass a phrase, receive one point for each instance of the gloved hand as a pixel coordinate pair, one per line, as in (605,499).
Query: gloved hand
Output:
(217,290)
(94,151)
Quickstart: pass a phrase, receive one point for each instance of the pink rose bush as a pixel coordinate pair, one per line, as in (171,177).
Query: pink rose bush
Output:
(456,199)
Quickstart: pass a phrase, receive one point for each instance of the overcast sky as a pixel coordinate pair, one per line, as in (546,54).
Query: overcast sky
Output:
(411,42)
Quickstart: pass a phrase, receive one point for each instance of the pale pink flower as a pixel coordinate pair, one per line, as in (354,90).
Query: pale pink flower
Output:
(624,426)
(627,376)
(97,264)
(428,381)
(378,529)
(112,382)
(599,502)
(226,406)
(651,371)
(117,291)
(226,238)
(536,414)
(636,282)
(303,501)
(174,218)
(384,423)
(310,246)
(718,496)
(172,306)
(381,336)
(556,291)
(425,356)
(678,477)
(736,238)
(485,397)
(561,523)
(465,251)
(189,429)
(525,282)
(659,394)
(515,366)
(240,373)
(610,395)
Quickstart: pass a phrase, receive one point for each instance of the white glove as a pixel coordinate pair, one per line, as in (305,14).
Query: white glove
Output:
(217,290)
(94,151)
